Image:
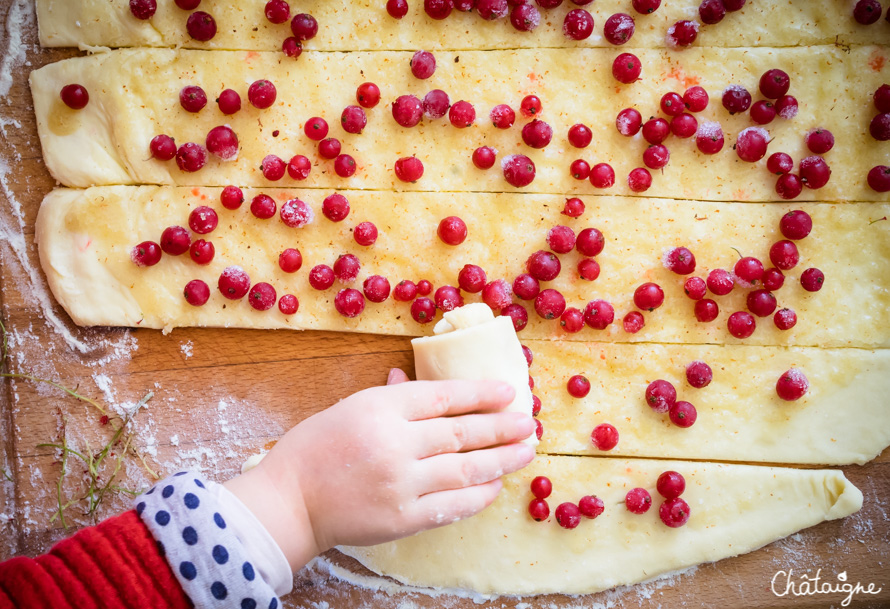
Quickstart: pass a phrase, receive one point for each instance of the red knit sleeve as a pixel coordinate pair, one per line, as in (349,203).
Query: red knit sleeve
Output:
(115,565)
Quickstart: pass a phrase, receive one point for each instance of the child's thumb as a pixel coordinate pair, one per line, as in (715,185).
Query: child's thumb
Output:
(396,376)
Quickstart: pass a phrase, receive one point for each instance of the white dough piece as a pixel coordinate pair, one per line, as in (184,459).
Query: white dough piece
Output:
(471,344)
(843,418)
(85,238)
(252,461)
(135,96)
(734,509)
(365,25)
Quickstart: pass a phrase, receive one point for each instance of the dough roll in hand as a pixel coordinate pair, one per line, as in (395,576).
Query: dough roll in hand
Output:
(471,344)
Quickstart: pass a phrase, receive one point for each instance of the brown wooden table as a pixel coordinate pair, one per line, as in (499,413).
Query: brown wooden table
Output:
(221,395)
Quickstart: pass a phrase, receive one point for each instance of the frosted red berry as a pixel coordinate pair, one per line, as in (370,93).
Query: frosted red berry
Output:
(792,385)
(201,26)
(670,484)
(674,512)
(628,122)
(656,130)
(683,414)
(462,114)
(367,95)
(162,147)
(203,220)
(288,304)
(568,515)
(531,106)
(407,110)
(720,282)
(452,230)
(292,47)
(774,83)
(277,11)
(526,287)
(749,270)
(262,297)
(353,119)
(574,208)
(329,148)
(812,280)
(762,112)
(435,104)
(645,7)
(147,253)
(578,24)
(682,34)
(472,278)
(787,107)
(773,279)
(517,314)
(234,283)
(709,139)
(196,293)
(591,506)
(424,287)
(882,98)
(604,437)
(789,186)
(273,168)
(761,303)
(706,310)
(626,68)
(191,157)
(529,358)
(409,169)
(349,303)
(784,255)
(263,206)
(397,8)
(543,265)
(538,509)
(376,288)
(580,169)
(550,304)
(484,157)
(580,136)
(561,239)
(262,94)
(656,157)
(299,167)
(711,12)
(660,395)
(502,116)
(785,319)
(602,175)
(680,260)
(75,96)
(423,64)
(684,126)
(175,240)
(316,128)
(541,487)
(866,12)
(736,99)
(143,9)
(699,374)
(633,322)
(649,296)
(696,98)
(321,277)
(365,234)
(346,268)
(222,143)
(819,140)
(423,310)
(304,27)
(405,291)
(537,134)
(599,314)
(779,163)
(878,178)
(345,166)
(879,128)
(695,288)
(335,207)
(290,260)
(741,324)
(590,242)
(638,501)
(525,17)
(796,225)
(519,170)
(672,104)
(448,298)
(751,144)
(618,29)
(496,294)
(639,180)
(231,197)
(572,320)
(294,212)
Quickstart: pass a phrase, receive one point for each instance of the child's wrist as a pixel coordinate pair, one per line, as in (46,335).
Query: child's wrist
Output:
(277,503)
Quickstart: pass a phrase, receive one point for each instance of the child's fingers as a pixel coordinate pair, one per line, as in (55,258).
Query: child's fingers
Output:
(460,470)
(396,376)
(429,399)
(445,507)
(470,432)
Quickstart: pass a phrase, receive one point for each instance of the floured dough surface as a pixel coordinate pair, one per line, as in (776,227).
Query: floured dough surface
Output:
(842,419)
(365,25)
(89,268)
(471,344)
(734,509)
(134,96)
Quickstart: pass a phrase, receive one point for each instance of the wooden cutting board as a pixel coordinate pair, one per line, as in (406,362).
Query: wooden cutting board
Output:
(221,395)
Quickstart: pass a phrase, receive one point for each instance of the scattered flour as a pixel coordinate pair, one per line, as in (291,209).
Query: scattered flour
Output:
(187,349)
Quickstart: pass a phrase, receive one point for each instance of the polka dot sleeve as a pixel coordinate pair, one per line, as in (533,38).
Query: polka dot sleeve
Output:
(204,551)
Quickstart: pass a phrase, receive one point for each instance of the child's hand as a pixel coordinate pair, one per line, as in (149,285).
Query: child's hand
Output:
(385,463)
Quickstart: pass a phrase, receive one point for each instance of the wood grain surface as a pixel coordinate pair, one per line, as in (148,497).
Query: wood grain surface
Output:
(220,395)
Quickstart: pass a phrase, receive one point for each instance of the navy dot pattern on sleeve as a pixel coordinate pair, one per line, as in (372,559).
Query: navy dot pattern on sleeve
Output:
(207,558)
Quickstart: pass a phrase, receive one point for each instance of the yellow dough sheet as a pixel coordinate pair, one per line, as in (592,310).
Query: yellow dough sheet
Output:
(351,26)
(734,509)
(134,95)
(85,239)
(843,418)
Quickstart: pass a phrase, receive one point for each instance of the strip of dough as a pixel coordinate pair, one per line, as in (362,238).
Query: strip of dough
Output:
(734,509)
(134,96)
(85,238)
(842,419)
(365,25)
(471,344)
